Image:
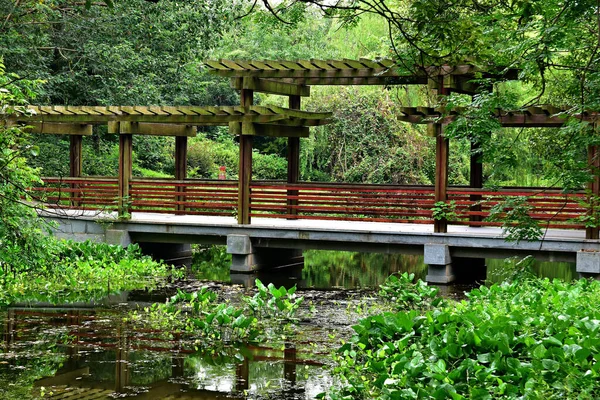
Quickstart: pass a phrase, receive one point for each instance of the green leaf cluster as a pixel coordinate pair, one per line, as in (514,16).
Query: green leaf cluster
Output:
(526,339)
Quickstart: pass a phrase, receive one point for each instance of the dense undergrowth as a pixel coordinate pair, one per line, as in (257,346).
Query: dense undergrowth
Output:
(525,339)
(72,271)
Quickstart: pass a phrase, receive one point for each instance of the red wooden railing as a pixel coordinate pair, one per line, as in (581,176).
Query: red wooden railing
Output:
(188,196)
(321,201)
(342,202)
(90,193)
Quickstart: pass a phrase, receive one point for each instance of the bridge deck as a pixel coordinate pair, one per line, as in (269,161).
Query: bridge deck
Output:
(557,244)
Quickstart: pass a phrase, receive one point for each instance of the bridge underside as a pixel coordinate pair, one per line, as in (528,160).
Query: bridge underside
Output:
(252,242)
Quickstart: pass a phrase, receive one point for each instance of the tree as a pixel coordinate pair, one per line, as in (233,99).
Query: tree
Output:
(21,235)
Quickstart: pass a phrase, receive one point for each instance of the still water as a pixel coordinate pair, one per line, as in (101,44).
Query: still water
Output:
(80,352)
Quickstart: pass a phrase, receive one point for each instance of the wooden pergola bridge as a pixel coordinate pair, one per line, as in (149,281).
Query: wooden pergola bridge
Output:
(292,199)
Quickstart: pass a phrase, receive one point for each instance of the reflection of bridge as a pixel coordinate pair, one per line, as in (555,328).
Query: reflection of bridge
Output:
(443,222)
(105,332)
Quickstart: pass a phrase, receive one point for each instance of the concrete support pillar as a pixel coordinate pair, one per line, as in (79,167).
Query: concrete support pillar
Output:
(437,257)
(587,264)
(246,258)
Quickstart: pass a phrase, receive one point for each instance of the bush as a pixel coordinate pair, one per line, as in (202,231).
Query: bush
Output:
(529,339)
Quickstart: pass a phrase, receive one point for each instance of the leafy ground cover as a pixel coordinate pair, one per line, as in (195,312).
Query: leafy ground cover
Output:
(71,271)
(527,339)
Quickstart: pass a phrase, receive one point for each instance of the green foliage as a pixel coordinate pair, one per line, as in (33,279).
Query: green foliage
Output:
(526,339)
(221,327)
(442,210)
(365,142)
(401,291)
(517,224)
(70,271)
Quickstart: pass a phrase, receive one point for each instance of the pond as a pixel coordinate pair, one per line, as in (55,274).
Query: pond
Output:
(97,352)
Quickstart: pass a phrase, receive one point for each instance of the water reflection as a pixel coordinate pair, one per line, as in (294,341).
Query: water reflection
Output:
(352,270)
(98,353)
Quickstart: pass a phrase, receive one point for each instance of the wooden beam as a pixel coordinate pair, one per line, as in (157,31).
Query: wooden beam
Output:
(143,128)
(475,180)
(180,169)
(293,162)
(251,129)
(75,165)
(442,149)
(270,86)
(125,172)
(245,166)
(359,81)
(311,73)
(49,128)
(594,190)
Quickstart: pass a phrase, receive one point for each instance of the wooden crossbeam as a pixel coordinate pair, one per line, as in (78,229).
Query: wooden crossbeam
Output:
(237,128)
(532,117)
(270,86)
(50,128)
(186,115)
(341,72)
(150,129)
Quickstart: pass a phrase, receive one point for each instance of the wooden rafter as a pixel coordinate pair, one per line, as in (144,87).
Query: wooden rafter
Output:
(532,117)
(186,115)
(349,72)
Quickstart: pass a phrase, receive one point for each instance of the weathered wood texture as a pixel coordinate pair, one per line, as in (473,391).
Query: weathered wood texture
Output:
(180,169)
(125,171)
(75,163)
(475,179)
(442,149)
(293,162)
(50,128)
(245,165)
(186,115)
(345,72)
(594,190)
(532,117)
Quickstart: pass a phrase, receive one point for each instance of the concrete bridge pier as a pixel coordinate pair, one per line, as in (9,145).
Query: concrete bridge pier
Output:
(246,258)
(587,264)
(443,268)
(440,269)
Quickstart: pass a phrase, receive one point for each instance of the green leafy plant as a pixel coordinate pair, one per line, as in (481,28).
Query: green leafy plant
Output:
(517,223)
(442,210)
(527,339)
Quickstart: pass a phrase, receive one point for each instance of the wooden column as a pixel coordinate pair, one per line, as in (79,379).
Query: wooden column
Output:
(75,167)
(180,169)
(594,189)
(293,158)
(245,166)
(476,179)
(442,149)
(125,168)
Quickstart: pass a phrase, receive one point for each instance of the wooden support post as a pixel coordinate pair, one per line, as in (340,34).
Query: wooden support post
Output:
(441,174)
(476,180)
(75,167)
(293,158)
(125,171)
(180,169)
(245,166)
(594,188)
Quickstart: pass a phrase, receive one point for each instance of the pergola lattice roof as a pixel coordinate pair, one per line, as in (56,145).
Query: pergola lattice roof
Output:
(341,72)
(545,116)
